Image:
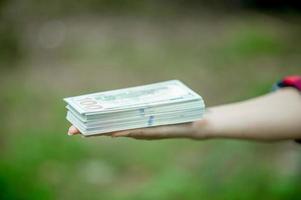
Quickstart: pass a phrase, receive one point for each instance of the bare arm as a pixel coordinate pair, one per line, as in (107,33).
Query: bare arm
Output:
(275,116)
(272,117)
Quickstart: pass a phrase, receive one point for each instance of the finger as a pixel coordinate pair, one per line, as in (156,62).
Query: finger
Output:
(120,133)
(133,133)
(73,130)
(153,133)
(147,133)
(159,132)
(112,134)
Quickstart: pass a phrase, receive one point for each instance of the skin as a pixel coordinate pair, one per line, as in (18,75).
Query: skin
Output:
(271,117)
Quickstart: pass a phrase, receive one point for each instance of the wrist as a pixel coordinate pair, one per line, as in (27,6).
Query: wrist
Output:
(204,128)
(220,122)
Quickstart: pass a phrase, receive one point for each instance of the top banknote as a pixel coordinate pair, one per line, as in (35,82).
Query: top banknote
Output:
(157,94)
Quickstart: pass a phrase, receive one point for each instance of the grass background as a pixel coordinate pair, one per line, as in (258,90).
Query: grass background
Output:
(224,57)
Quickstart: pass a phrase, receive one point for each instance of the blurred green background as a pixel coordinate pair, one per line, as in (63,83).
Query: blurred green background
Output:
(225,50)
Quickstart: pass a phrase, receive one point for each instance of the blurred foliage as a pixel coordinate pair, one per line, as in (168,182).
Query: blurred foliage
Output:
(10,51)
(15,15)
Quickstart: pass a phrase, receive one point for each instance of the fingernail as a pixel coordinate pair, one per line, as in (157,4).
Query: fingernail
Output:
(72,130)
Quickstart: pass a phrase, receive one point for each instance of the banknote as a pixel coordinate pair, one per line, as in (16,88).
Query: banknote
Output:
(163,103)
(167,92)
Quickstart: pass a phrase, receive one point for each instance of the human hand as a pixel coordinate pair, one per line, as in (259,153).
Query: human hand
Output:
(192,130)
(271,117)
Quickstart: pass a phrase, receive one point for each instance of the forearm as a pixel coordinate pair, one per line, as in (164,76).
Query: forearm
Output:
(272,117)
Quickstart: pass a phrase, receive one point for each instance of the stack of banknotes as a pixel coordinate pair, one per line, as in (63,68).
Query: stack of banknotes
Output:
(169,102)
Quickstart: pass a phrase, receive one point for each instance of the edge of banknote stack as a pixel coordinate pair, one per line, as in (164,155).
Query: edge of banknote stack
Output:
(169,102)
